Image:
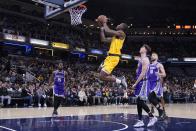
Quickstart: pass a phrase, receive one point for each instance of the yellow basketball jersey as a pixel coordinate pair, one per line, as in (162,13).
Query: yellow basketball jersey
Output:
(116,46)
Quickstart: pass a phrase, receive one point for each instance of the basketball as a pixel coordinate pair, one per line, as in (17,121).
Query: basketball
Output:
(101,19)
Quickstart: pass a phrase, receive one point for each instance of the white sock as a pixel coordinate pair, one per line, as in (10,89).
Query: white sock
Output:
(118,81)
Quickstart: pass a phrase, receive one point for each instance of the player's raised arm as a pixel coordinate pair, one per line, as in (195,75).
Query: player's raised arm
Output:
(103,37)
(120,29)
(118,33)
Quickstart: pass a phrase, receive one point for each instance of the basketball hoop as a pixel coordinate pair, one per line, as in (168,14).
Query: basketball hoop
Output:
(76,14)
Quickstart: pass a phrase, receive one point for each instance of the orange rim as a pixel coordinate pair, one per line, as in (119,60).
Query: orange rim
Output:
(82,6)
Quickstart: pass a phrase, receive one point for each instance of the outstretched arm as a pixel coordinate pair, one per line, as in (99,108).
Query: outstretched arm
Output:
(103,37)
(111,32)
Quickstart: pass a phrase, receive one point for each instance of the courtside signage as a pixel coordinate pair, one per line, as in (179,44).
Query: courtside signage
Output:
(14,37)
(96,51)
(190,59)
(39,42)
(80,49)
(60,45)
(125,56)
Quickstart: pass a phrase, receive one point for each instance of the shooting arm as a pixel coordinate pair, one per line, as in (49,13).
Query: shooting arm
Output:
(103,37)
(111,32)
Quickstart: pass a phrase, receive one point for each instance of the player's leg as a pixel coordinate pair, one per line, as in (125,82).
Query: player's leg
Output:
(161,97)
(142,92)
(155,101)
(57,102)
(140,122)
(162,101)
(107,77)
(141,104)
(106,69)
(108,66)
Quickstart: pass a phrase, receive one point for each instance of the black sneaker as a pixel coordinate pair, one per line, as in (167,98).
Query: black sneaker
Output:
(162,116)
(55,113)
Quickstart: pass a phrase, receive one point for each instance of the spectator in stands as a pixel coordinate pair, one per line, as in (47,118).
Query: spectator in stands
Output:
(41,96)
(125,97)
(194,84)
(105,94)
(73,97)
(13,77)
(98,96)
(131,97)
(117,97)
(90,95)
(26,95)
(82,96)
(4,93)
(49,95)
(1,92)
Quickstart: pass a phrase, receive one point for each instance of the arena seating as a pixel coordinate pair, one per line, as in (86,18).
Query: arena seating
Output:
(80,76)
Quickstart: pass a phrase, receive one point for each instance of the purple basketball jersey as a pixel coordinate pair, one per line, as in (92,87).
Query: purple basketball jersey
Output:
(154,79)
(59,83)
(142,88)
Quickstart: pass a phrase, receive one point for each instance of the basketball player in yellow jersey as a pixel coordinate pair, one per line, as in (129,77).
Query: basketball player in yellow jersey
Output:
(114,54)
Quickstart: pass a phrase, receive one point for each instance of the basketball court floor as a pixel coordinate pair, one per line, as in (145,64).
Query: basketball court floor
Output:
(182,117)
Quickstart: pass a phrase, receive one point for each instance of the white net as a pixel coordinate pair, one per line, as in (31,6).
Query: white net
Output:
(76,14)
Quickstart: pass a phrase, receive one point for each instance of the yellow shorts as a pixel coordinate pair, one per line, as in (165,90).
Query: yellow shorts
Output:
(110,63)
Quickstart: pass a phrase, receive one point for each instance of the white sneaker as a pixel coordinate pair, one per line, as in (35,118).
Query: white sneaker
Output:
(45,105)
(139,129)
(152,121)
(39,105)
(124,82)
(139,123)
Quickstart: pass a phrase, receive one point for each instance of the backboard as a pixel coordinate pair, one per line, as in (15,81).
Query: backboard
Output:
(56,7)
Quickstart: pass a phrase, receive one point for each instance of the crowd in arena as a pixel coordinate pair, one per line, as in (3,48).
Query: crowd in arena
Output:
(88,37)
(24,82)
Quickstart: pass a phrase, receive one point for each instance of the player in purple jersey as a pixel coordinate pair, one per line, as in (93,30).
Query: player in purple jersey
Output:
(141,87)
(156,75)
(58,79)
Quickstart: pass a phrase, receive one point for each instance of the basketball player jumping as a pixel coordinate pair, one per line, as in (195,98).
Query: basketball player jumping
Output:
(142,88)
(156,75)
(114,54)
(58,78)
